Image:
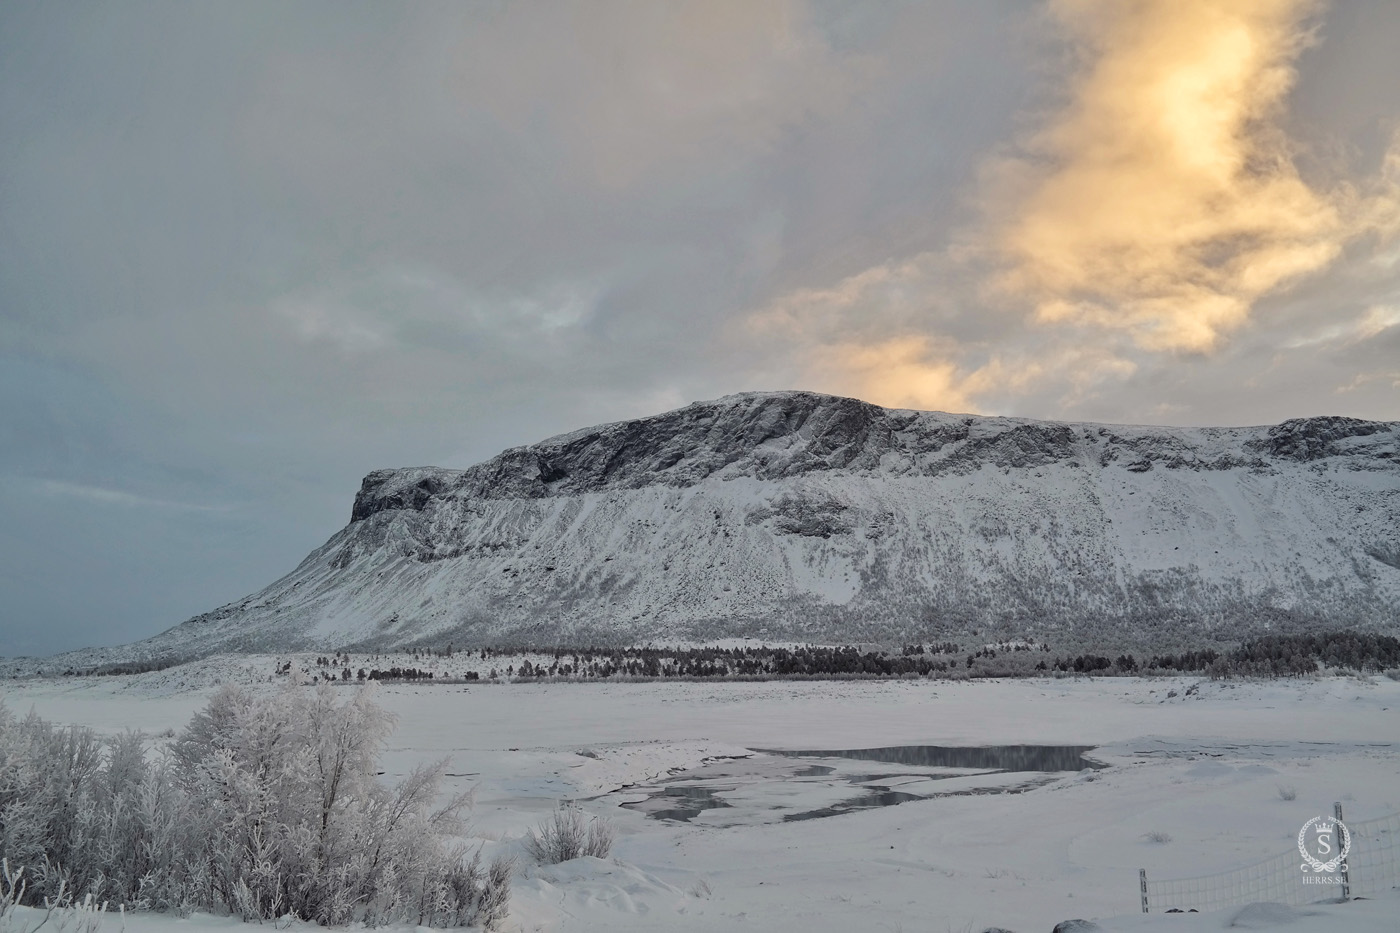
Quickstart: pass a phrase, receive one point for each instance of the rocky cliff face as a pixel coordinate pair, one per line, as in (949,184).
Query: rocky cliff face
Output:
(801,516)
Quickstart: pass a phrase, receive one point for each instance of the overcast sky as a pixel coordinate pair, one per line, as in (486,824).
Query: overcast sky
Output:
(251,251)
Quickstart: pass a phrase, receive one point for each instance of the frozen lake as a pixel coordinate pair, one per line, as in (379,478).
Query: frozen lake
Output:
(763,805)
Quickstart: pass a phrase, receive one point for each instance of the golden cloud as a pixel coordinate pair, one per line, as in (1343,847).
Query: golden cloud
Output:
(903,372)
(1149,212)
(852,338)
(1163,199)
(922,373)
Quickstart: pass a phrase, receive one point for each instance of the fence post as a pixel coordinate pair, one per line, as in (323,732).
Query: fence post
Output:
(1344,837)
(1142,882)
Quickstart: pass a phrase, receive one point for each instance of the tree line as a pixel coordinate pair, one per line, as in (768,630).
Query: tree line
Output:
(1267,656)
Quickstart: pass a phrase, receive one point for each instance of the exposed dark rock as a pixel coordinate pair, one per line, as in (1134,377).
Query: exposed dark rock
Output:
(1388,554)
(399,489)
(1312,438)
(1077,926)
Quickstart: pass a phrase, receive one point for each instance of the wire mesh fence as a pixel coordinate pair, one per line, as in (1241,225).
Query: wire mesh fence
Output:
(1374,862)
(1371,867)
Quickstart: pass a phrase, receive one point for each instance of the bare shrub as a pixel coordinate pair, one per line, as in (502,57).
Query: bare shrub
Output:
(1287,792)
(567,834)
(1158,837)
(601,836)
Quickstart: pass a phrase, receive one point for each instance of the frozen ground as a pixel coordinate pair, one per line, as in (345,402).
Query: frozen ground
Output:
(1203,768)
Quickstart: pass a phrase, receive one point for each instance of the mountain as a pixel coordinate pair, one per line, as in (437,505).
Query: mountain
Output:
(799,516)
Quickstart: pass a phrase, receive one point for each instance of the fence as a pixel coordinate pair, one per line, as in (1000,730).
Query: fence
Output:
(1372,866)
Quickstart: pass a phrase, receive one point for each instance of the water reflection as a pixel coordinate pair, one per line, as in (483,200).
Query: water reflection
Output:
(982,757)
(765,788)
(876,798)
(680,803)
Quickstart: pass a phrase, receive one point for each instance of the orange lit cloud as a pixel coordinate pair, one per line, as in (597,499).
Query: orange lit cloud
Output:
(853,338)
(903,372)
(921,373)
(1163,199)
(1148,212)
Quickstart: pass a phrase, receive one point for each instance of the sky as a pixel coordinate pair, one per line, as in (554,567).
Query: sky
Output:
(250,251)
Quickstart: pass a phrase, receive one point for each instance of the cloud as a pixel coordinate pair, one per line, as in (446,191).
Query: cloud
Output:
(885,295)
(1375,321)
(1163,199)
(903,372)
(632,86)
(868,336)
(396,308)
(322,322)
(118,497)
(1147,213)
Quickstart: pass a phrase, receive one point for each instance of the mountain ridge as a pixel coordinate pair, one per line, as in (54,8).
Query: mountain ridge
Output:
(804,516)
(510,471)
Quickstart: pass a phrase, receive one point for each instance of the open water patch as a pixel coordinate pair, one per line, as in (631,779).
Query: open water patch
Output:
(1043,758)
(679,803)
(779,785)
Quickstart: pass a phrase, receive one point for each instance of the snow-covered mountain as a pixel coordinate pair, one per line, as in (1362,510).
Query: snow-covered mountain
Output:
(794,515)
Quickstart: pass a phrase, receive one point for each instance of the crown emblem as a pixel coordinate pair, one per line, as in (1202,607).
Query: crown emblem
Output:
(1324,826)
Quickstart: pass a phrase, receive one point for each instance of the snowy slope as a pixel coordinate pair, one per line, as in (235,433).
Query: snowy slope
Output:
(802,516)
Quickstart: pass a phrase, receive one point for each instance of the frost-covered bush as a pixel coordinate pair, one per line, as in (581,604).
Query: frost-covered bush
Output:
(263,806)
(566,835)
(59,914)
(58,806)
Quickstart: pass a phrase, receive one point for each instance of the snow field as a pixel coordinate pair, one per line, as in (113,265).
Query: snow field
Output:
(1202,769)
